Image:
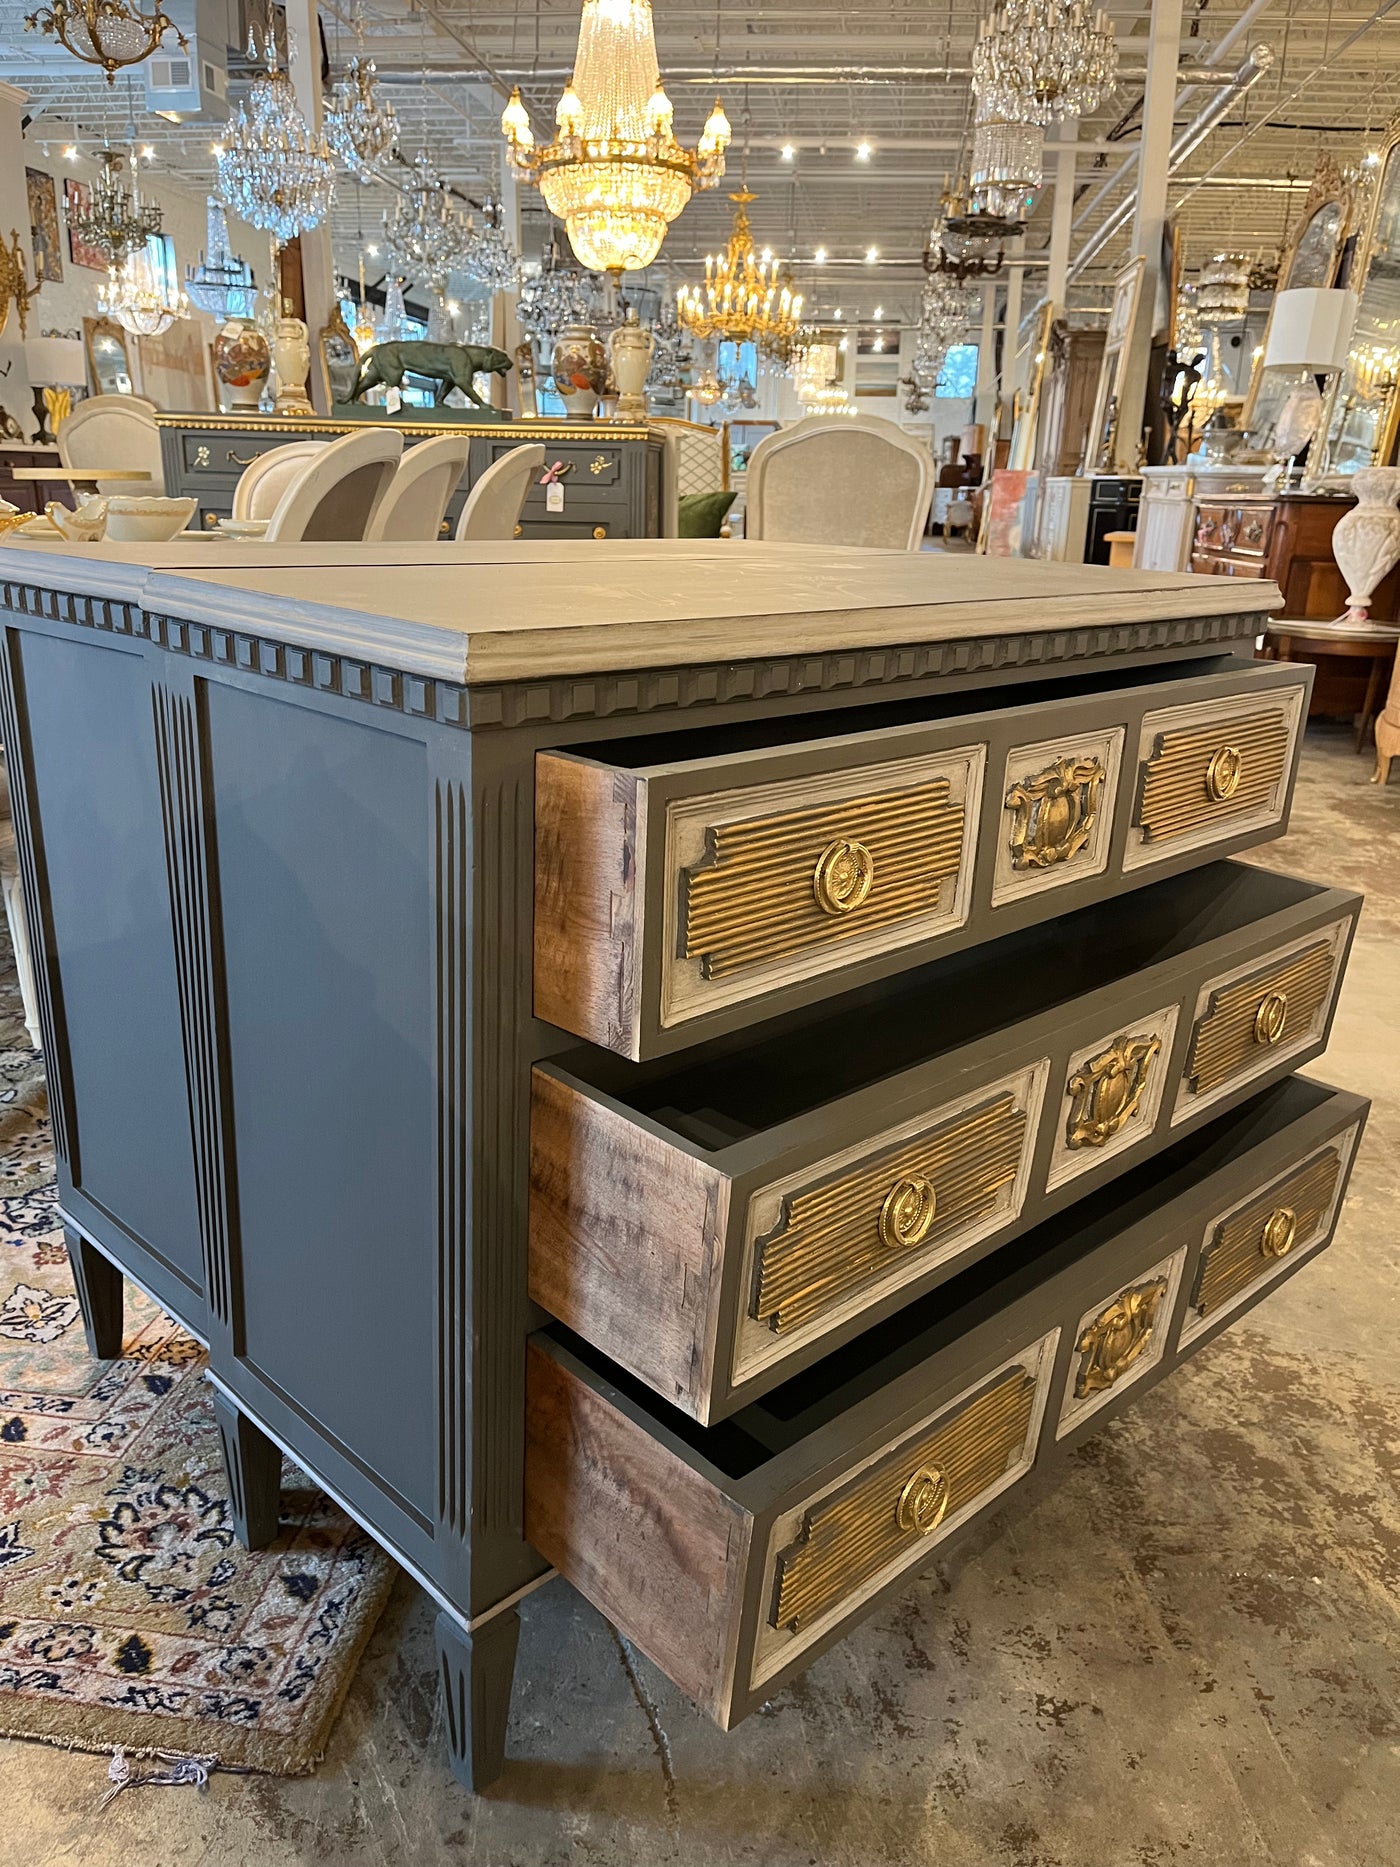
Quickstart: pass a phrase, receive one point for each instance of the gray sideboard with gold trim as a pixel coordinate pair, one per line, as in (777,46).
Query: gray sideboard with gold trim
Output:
(611,471)
(698,1066)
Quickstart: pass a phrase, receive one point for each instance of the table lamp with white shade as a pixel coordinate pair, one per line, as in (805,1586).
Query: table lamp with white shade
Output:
(1310,330)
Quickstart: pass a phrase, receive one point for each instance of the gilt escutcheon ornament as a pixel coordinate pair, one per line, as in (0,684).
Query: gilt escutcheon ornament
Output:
(1110,1344)
(1054,812)
(1105,1092)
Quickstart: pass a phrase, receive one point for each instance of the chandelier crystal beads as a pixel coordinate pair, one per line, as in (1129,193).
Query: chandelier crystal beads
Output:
(556,295)
(746,297)
(1008,168)
(108,33)
(488,256)
(220,284)
(141,298)
(275,172)
(944,310)
(1222,292)
(116,221)
(1038,61)
(426,236)
(361,131)
(615,173)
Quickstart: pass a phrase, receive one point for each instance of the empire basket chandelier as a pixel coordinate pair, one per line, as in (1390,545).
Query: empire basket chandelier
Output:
(746,298)
(615,174)
(108,33)
(220,284)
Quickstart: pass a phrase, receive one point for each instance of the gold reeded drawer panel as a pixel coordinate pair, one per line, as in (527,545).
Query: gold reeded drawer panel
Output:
(1244,1247)
(837,1234)
(1269,1008)
(776,885)
(901,1502)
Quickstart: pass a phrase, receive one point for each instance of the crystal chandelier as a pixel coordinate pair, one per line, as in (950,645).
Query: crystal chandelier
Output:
(615,174)
(116,221)
(670,352)
(275,172)
(140,296)
(1008,167)
(1222,292)
(966,241)
(425,237)
(488,256)
(1038,61)
(360,130)
(745,297)
(555,296)
(943,314)
(220,284)
(108,33)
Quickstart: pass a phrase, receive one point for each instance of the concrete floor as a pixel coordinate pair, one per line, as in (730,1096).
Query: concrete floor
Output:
(1180,1651)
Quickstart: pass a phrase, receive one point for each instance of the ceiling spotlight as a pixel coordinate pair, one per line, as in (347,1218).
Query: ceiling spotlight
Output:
(837,314)
(216,149)
(879,313)
(1373,158)
(862,152)
(788,152)
(70,153)
(820,256)
(767,255)
(373,251)
(147,153)
(843,343)
(453,307)
(872,253)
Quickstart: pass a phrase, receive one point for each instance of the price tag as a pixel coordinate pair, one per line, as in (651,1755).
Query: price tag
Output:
(554,496)
(393,401)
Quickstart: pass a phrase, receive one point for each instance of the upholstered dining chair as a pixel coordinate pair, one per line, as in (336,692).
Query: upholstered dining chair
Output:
(839,480)
(264,480)
(495,503)
(336,493)
(114,431)
(427,477)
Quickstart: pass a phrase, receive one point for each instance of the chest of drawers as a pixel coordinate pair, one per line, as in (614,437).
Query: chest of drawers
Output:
(696,1066)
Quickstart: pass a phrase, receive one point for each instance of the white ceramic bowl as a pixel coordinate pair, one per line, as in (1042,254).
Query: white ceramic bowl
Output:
(136,520)
(243,528)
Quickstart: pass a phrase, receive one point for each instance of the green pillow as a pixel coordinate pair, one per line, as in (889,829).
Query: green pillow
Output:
(702,514)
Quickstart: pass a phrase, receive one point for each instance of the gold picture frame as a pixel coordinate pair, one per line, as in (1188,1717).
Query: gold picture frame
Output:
(1122,316)
(1361,404)
(1313,257)
(339,360)
(108,357)
(1027,416)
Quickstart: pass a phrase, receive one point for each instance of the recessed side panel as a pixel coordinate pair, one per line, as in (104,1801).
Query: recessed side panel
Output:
(322,826)
(91,734)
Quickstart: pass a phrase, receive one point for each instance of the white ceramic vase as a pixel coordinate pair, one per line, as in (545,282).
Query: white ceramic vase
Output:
(1366,542)
(630,348)
(291,353)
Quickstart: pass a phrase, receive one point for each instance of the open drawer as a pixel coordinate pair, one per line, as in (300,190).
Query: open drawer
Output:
(693,882)
(715,1224)
(734,1554)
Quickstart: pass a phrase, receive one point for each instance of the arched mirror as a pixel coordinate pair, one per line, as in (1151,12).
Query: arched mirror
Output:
(1314,257)
(1362,409)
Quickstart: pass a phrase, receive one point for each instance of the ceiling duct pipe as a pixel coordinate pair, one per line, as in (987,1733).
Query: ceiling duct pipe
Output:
(1259,62)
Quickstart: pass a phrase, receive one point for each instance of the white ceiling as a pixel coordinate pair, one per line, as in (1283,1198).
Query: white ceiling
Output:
(825,75)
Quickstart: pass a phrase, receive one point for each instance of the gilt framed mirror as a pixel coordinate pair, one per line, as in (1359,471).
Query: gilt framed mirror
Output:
(1361,410)
(1313,257)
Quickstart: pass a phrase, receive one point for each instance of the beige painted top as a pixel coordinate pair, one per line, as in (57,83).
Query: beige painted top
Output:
(516,611)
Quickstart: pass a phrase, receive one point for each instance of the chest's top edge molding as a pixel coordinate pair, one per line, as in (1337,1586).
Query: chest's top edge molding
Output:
(477,614)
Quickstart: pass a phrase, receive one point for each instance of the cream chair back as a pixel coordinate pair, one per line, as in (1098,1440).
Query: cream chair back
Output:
(495,503)
(694,459)
(336,494)
(428,475)
(264,480)
(114,431)
(839,480)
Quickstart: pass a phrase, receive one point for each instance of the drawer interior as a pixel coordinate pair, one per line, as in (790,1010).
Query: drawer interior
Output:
(806,1403)
(637,753)
(741,1088)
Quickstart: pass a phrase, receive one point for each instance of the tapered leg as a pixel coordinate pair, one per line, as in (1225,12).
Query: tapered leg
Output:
(253,1467)
(100,1296)
(476,1672)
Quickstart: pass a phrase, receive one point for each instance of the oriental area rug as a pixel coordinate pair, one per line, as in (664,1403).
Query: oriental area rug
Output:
(129,1613)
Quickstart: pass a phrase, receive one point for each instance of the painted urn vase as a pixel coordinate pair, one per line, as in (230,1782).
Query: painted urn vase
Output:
(242,364)
(1366,542)
(579,366)
(291,352)
(629,348)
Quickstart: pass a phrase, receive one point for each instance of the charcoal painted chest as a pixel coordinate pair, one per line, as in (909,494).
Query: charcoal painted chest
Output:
(695,1066)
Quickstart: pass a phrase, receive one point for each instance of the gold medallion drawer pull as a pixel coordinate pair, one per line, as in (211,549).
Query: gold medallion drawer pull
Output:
(907,1216)
(1271,1017)
(1280,1232)
(844,876)
(923,1503)
(1223,774)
